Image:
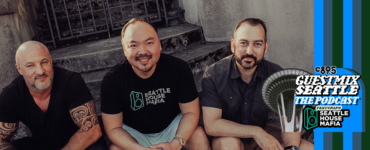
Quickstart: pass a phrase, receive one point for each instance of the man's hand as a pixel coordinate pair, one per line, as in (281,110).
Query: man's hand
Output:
(267,141)
(173,145)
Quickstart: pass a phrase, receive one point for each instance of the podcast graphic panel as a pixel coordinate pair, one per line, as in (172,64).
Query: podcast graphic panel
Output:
(330,101)
(338,105)
(340,35)
(328,92)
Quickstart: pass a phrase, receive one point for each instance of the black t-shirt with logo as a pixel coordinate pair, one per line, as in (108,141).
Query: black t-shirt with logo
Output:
(148,105)
(55,126)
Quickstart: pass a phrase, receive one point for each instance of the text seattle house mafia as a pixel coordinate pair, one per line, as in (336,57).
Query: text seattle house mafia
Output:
(332,118)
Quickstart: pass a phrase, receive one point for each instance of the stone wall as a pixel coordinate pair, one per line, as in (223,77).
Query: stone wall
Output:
(289,25)
(191,11)
(16,27)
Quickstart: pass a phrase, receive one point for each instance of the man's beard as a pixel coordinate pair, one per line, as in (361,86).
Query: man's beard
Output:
(144,71)
(248,65)
(39,87)
(138,59)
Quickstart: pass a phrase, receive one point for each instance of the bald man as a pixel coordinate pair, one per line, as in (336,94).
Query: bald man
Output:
(53,102)
(150,101)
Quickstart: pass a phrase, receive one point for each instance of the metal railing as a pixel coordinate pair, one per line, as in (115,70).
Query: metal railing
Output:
(82,30)
(133,10)
(69,23)
(174,17)
(34,24)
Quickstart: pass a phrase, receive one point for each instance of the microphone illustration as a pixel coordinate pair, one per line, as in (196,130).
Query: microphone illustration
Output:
(278,92)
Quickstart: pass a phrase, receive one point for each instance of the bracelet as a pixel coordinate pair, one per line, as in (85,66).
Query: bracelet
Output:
(181,140)
(293,147)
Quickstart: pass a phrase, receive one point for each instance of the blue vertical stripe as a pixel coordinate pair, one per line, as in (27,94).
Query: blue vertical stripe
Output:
(318,54)
(347,140)
(347,55)
(347,34)
(318,33)
(318,139)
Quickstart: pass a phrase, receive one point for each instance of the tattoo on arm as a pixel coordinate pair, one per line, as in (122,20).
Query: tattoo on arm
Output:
(6,146)
(6,131)
(85,116)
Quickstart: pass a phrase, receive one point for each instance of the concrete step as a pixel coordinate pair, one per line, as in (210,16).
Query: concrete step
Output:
(106,53)
(203,55)
(198,57)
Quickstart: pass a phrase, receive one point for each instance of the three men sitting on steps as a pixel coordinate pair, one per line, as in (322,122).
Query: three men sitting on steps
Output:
(149,101)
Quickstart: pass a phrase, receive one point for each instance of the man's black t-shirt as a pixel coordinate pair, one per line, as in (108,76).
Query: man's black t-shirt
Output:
(148,105)
(56,125)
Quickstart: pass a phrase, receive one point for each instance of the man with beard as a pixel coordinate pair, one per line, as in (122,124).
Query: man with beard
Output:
(233,111)
(150,101)
(53,102)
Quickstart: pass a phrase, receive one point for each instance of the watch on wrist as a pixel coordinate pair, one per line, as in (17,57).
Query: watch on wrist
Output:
(293,147)
(181,140)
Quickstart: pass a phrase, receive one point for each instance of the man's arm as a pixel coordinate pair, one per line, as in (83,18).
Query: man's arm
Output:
(190,119)
(6,131)
(85,117)
(187,125)
(290,138)
(116,134)
(216,126)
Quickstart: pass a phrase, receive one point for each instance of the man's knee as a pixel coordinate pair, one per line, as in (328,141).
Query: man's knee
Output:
(114,147)
(200,134)
(227,143)
(198,140)
(100,144)
(305,145)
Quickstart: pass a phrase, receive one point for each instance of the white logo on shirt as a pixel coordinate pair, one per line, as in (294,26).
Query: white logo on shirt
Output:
(156,96)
